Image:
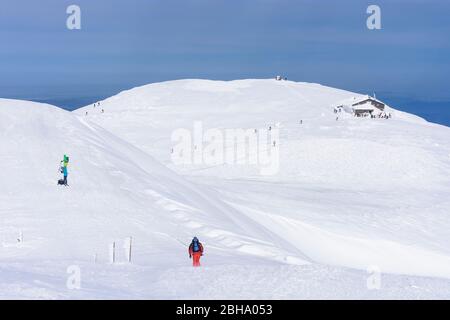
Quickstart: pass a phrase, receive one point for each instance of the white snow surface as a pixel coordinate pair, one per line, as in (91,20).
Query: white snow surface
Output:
(351,196)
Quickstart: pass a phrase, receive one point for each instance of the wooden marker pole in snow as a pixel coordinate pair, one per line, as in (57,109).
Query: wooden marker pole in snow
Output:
(113,252)
(127,245)
(129,250)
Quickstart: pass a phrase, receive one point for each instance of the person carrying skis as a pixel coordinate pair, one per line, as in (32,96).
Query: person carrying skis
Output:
(65,173)
(195,252)
(64,164)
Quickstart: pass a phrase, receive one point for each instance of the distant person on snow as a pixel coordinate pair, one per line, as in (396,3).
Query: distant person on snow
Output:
(64,164)
(65,174)
(195,252)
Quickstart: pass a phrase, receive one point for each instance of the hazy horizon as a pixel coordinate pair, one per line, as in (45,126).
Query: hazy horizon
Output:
(437,111)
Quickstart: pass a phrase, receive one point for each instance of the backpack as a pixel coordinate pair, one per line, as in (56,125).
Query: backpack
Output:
(195,246)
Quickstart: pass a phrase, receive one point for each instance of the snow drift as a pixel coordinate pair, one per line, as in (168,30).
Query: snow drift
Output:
(350,194)
(346,187)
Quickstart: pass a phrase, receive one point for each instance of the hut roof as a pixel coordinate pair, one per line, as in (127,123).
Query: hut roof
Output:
(354,100)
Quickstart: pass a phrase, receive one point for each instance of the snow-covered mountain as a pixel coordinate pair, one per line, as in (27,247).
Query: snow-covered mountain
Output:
(350,195)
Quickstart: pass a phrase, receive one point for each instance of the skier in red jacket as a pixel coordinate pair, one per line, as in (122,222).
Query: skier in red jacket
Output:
(195,252)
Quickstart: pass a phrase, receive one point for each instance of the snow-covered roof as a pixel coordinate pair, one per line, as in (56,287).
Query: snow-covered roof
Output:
(353,100)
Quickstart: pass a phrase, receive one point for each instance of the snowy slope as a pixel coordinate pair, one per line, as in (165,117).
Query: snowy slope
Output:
(146,116)
(116,191)
(350,194)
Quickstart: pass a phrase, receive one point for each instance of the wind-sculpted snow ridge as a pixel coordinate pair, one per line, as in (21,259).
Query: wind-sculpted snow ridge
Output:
(357,209)
(115,191)
(350,191)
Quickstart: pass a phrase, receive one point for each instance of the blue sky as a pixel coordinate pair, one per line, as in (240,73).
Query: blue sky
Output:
(124,43)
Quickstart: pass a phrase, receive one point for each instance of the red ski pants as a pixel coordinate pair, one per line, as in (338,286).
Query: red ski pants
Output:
(196,259)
